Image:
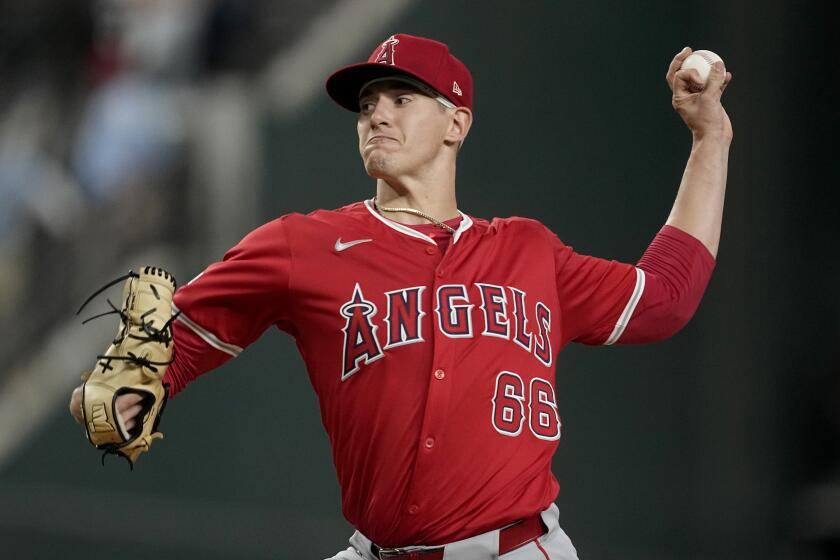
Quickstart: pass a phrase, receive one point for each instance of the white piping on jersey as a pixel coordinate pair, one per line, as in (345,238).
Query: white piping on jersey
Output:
(624,319)
(466,223)
(209,337)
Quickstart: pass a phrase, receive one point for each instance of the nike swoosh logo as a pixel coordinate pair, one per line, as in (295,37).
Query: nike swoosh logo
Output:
(339,246)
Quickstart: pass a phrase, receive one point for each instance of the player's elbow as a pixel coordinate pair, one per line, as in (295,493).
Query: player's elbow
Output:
(676,317)
(661,314)
(677,268)
(656,327)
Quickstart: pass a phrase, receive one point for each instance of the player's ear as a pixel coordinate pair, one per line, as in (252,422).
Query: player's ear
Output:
(459,125)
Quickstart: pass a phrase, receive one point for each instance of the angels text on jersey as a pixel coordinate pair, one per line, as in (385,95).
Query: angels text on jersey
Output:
(502,312)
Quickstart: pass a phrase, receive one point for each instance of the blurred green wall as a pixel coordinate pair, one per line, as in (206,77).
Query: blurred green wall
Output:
(684,449)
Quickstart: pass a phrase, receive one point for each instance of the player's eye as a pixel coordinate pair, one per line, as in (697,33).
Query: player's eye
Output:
(403,99)
(366,106)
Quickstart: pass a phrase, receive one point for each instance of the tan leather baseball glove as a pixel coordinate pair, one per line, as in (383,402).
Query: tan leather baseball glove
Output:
(135,362)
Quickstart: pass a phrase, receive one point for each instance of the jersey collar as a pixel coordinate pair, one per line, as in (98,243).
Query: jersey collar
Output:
(466,223)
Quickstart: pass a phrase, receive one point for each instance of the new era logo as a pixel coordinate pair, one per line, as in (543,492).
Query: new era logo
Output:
(456,89)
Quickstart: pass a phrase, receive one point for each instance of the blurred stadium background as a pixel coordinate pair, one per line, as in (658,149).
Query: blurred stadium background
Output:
(161,131)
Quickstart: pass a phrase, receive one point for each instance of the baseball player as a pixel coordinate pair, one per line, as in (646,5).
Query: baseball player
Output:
(430,335)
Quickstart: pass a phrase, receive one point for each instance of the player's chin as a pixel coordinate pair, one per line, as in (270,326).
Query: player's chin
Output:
(377,165)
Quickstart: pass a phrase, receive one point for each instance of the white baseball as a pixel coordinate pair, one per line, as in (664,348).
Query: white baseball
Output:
(702,62)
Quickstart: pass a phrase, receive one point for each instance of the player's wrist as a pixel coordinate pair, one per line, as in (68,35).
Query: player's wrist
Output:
(714,136)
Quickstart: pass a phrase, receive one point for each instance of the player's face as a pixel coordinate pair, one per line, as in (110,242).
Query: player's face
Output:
(401,130)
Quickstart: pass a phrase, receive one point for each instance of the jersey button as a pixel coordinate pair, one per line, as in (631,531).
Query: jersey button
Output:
(431,250)
(440,273)
(413,509)
(440,374)
(430,442)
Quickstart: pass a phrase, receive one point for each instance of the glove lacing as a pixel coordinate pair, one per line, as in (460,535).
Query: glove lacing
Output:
(162,335)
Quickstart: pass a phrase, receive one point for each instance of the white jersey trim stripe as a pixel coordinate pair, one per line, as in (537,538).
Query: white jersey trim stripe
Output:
(624,319)
(209,337)
(466,223)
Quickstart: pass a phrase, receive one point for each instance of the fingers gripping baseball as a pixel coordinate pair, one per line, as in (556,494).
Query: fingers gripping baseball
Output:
(675,65)
(698,102)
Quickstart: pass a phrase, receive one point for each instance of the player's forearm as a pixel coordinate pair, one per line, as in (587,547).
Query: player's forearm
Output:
(698,208)
(191,358)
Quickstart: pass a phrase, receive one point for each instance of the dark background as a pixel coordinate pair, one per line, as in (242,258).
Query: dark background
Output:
(721,442)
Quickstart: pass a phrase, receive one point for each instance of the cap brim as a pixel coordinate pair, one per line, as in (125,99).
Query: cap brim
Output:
(344,85)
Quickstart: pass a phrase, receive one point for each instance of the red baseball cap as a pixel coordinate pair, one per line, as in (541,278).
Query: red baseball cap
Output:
(423,59)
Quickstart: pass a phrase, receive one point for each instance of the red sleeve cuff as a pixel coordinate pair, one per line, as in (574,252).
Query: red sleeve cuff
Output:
(677,268)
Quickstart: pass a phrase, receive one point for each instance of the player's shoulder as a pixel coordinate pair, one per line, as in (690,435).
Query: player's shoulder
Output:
(510,224)
(316,219)
(354,212)
(297,228)
(519,231)
(283,233)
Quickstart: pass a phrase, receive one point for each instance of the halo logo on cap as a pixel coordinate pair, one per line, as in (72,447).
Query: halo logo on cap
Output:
(386,54)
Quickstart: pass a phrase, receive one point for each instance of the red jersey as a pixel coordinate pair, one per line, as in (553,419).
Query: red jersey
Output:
(435,371)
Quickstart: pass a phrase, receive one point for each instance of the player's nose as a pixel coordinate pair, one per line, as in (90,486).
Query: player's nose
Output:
(381,114)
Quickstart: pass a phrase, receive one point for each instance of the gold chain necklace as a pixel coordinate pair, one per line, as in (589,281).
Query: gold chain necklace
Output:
(438,223)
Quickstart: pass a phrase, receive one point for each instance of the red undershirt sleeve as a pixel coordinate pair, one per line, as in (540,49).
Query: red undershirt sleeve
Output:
(677,268)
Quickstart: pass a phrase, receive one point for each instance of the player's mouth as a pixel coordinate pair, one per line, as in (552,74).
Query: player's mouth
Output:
(380,139)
